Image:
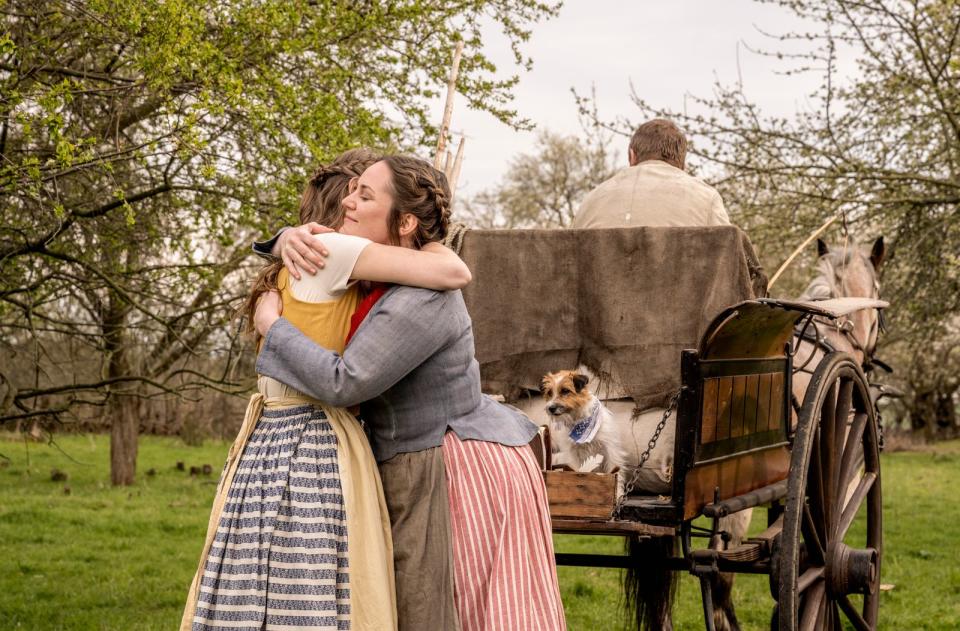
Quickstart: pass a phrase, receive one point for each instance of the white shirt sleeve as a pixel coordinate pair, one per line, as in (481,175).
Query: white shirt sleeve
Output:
(334,278)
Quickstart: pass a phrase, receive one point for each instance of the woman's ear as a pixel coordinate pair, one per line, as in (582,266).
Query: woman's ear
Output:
(408,225)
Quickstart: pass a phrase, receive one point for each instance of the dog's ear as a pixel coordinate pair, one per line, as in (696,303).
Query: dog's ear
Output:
(544,384)
(579,381)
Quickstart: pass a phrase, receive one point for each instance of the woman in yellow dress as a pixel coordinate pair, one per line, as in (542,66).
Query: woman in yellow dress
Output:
(299,535)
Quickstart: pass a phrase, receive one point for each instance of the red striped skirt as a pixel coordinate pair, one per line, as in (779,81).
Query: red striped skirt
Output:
(505,573)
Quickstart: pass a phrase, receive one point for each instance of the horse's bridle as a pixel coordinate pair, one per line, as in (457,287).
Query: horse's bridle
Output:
(845,326)
(876,327)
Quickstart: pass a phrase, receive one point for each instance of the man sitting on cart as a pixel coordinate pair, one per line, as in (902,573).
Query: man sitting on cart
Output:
(654,190)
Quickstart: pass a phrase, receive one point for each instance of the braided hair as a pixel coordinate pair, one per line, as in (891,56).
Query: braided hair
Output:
(422,191)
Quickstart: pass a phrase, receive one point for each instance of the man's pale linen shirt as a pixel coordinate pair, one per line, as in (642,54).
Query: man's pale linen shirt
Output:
(652,193)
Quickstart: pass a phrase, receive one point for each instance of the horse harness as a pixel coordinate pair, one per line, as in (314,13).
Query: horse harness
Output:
(844,326)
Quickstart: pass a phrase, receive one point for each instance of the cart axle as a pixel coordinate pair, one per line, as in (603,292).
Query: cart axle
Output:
(851,570)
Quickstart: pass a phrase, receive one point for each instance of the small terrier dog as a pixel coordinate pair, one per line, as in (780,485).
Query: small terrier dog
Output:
(581,428)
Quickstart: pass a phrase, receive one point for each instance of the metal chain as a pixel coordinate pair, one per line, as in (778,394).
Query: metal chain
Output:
(628,487)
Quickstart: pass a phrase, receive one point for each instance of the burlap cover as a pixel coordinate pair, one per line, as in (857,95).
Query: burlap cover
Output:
(623,302)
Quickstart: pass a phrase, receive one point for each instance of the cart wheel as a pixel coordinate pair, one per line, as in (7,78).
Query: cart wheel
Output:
(828,571)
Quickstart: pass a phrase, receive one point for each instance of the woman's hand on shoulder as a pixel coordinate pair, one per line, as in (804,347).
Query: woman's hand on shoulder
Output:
(269,309)
(298,248)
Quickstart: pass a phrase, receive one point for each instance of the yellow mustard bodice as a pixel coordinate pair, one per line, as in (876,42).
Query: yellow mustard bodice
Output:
(326,323)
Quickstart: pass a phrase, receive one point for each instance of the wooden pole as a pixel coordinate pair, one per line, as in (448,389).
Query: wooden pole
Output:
(448,107)
(790,258)
(454,176)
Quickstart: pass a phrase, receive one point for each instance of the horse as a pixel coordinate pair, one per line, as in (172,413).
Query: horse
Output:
(845,271)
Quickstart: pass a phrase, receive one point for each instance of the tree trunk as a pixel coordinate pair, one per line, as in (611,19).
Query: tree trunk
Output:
(124,428)
(946,416)
(124,420)
(933,413)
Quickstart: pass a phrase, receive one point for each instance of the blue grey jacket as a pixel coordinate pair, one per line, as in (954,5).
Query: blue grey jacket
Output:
(410,366)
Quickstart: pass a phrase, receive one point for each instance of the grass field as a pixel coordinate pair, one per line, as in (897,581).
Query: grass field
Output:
(79,554)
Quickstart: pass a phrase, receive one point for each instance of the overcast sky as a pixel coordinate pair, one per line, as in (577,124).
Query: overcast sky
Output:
(666,48)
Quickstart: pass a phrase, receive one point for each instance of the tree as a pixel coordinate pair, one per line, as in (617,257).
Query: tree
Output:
(144,143)
(544,189)
(881,146)
(933,386)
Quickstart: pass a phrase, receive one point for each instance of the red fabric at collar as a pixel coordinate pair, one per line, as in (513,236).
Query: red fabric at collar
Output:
(366,304)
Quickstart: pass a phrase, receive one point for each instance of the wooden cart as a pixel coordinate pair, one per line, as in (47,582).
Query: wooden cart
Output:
(743,440)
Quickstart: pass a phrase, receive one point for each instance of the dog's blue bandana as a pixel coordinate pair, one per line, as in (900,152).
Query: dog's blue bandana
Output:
(585,430)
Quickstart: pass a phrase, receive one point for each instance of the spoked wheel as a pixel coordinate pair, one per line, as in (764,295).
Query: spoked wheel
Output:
(828,565)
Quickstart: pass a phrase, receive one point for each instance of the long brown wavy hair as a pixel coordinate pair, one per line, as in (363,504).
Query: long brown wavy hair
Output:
(320,202)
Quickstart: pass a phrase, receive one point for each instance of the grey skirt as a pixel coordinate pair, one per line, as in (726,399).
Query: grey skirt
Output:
(279,557)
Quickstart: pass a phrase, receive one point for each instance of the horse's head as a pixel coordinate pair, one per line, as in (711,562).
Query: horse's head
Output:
(851,271)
